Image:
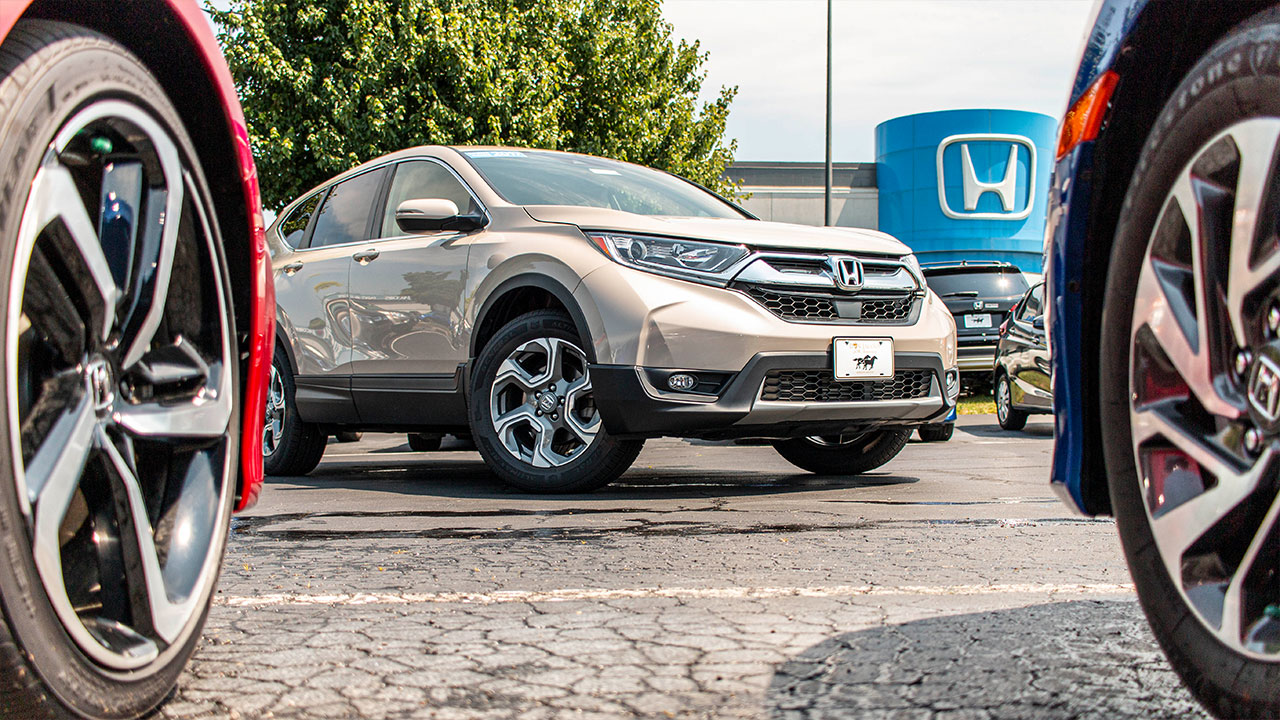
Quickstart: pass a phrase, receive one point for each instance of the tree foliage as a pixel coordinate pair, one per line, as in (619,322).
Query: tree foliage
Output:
(327,84)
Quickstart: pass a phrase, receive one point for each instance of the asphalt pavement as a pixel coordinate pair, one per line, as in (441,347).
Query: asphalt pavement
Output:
(713,580)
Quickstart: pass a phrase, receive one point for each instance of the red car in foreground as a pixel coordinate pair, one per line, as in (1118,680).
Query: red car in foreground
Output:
(137,328)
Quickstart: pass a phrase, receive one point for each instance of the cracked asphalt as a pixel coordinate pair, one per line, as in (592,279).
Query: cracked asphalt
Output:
(712,580)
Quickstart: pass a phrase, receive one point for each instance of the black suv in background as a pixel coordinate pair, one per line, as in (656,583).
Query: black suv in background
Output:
(979,295)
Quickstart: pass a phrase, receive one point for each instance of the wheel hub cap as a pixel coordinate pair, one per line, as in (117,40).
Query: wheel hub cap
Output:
(1264,388)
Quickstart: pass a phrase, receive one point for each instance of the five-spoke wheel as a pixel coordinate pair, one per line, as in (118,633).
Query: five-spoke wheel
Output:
(533,412)
(120,379)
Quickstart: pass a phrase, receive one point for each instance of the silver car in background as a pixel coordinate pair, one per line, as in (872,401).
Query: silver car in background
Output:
(561,308)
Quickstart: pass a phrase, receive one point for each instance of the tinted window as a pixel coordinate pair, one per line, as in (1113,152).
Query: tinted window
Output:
(344,217)
(984,284)
(423,179)
(1031,307)
(295,226)
(548,178)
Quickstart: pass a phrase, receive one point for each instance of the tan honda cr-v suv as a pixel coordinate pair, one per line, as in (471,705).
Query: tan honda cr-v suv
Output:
(561,308)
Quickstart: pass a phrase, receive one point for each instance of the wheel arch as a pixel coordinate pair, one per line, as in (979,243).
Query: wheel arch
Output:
(1166,41)
(524,293)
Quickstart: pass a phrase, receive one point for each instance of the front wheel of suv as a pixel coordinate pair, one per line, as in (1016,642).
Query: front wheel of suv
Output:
(533,413)
(844,454)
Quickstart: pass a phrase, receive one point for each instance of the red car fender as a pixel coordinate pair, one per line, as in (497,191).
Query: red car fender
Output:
(262,327)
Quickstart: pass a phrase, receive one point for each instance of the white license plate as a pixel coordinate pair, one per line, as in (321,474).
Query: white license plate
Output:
(863,359)
(977,321)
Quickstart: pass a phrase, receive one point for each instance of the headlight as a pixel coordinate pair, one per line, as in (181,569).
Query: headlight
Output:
(667,255)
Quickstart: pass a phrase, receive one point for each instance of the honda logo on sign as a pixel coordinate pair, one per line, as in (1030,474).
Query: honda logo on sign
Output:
(847,272)
(1004,187)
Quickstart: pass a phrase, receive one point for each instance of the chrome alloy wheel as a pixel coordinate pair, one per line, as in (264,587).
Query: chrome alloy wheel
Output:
(1204,387)
(542,405)
(273,425)
(1004,401)
(120,387)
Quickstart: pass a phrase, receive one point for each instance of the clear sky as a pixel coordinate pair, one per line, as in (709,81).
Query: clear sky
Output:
(891,58)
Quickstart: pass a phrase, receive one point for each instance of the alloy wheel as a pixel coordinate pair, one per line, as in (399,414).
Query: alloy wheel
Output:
(120,386)
(1003,399)
(542,404)
(273,424)
(1204,382)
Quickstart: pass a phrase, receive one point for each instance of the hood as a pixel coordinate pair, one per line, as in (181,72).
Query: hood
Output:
(756,233)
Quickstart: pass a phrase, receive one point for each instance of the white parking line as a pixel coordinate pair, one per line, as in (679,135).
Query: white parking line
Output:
(566,595)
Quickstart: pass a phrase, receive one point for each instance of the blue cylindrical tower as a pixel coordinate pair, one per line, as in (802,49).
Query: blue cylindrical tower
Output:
(967,184)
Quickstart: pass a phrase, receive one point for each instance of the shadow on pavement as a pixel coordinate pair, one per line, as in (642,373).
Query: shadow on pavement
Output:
(1033,429)
(1082,659)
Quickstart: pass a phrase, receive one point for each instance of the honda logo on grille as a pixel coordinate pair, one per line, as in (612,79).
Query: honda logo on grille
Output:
(847,272)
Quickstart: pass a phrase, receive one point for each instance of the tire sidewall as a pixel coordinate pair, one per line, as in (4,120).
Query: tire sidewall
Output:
(1238,79)
(574,475)
(71,75)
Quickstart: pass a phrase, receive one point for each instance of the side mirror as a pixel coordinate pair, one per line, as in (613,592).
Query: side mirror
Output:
(1037,322)
(428,215)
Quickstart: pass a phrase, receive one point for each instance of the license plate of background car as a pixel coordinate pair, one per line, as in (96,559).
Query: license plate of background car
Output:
(977,321)
(863,359)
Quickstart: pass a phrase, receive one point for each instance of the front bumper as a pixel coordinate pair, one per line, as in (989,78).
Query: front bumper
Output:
(631,406)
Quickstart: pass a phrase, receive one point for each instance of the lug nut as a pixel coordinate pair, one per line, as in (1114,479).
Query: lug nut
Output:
(1252,440)
(554,416)
(1243,358)
(1273,320)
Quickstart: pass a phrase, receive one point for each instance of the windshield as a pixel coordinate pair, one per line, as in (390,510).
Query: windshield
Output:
(526,177)
(978,284)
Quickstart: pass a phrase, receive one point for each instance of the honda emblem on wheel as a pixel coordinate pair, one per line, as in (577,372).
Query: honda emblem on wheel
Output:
(1264,389)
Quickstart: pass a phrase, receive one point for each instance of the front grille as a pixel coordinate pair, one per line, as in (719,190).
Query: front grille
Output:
(886,310)
(821,386)
(791,306)
(831,308)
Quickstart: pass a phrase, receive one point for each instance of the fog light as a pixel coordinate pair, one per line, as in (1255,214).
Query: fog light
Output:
(953,385)
(681,381)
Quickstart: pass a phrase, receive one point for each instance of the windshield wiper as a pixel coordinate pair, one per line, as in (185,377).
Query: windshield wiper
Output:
(962,293)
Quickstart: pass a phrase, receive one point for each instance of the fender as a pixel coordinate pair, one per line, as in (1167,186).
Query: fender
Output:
(541,282)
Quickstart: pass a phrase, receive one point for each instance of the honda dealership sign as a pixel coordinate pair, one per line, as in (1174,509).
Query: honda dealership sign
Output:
(966,184)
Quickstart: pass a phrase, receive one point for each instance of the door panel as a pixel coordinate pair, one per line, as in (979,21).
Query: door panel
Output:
(311,291)
(406,303)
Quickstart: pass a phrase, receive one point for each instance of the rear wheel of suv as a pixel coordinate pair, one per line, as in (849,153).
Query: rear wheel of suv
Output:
(1008,417)
(290,446)
(424,442)
(1189,355)
(120,437)
(533,413)
(844,454)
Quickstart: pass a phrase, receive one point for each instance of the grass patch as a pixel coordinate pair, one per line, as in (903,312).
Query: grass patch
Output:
(976,405)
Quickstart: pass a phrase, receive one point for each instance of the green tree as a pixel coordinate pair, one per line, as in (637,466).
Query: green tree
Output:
(327,84)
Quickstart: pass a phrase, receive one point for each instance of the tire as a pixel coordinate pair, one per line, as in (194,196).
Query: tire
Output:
(936,432)
(124,386)
(840,456)
(1008,417)
(420,442)
(348,436)
(290,446)
(1212,123)
(580,456)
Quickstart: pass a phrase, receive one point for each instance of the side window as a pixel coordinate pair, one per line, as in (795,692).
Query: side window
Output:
(344,217)
(1031,308)
(295,226)
(421,179)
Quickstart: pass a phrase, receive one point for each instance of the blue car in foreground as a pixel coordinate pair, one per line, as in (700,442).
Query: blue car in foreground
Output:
(1163,268)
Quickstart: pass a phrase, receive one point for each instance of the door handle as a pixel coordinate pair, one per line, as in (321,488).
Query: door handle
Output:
(291,268)
(364,257)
